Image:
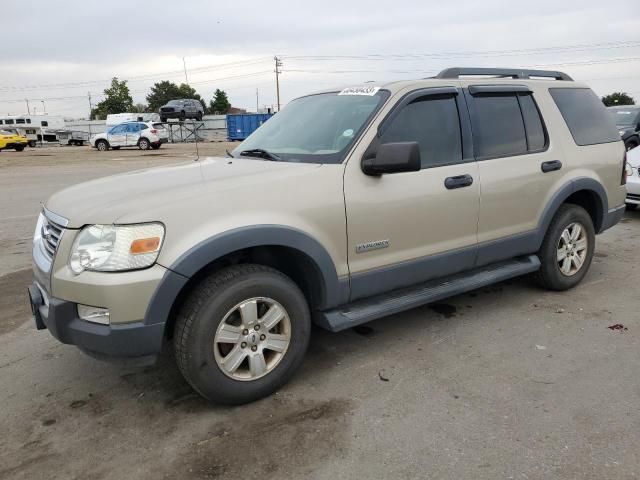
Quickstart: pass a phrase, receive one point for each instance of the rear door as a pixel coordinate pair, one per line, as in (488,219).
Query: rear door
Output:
(133,134)
(405,228)
(518,166)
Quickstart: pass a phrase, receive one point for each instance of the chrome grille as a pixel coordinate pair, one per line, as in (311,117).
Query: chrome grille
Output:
(51,234)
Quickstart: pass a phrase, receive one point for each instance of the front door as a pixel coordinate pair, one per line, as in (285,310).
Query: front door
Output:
(118,136)
(405,228)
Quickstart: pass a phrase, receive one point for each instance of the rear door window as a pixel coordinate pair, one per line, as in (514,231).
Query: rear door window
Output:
(585,115)
(536,135)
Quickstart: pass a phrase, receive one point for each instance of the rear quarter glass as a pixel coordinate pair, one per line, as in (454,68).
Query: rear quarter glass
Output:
(585,115)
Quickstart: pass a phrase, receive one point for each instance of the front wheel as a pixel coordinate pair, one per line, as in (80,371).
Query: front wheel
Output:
(102,145)
(242,333)
(144,144)
(567,248)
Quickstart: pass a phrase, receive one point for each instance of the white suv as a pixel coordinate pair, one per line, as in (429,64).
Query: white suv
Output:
(144,135)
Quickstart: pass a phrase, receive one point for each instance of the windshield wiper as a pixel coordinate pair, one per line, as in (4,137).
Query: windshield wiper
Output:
(229,154)
(261,153)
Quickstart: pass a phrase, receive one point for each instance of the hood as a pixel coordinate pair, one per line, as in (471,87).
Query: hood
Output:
(105,200)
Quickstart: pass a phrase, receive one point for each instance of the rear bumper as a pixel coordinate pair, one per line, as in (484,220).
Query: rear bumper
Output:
(612,217)
(128,340)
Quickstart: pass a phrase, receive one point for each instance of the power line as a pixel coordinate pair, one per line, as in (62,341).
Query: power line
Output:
(130,78)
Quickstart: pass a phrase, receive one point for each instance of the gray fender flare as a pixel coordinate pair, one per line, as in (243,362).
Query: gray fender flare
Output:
(575,185)
(191,262)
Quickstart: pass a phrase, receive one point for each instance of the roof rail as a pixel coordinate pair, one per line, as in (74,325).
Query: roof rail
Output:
(503,72)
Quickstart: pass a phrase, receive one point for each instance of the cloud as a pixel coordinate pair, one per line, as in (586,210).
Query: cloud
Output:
(81,41)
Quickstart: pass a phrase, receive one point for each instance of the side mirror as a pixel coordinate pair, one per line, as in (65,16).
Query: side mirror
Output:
(393,158)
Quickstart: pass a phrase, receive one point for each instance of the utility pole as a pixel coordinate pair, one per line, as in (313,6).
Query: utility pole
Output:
(278,72)
(184,64)
(28,111)
(90,106)
(44,108)
(257,101)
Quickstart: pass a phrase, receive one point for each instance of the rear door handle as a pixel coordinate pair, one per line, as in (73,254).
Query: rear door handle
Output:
(459,181)
(551,166)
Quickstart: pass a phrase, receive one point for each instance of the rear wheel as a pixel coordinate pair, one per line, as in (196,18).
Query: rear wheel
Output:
(155,146)
(144,144)
(631,144)
(242,333)
(567,249)
(102,145)
(115,148)
(19,148)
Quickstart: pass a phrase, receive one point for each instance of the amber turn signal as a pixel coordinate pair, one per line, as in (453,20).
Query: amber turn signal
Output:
(145,245)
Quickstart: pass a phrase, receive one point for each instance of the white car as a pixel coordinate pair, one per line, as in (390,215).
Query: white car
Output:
(633,178)
(144,135)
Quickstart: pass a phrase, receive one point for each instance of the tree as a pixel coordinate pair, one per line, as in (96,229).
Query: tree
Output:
(139,108)
(220,104)
(117,100)
(618,98)
(161,93)
(164,91)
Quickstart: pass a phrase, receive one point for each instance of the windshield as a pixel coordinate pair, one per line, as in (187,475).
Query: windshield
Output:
(315,129)
(175,102)
(624,118)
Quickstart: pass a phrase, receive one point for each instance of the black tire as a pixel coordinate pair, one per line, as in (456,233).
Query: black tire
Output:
(550,276)
(32,143)
(19,148)
(163,119)
(115,148)
(183,116)
(204,310)
(631,206)
(155,146)
(144,144)
(102,145)
(199,117)
(631,144)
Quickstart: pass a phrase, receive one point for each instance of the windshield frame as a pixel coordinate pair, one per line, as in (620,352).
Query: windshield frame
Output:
(323,158)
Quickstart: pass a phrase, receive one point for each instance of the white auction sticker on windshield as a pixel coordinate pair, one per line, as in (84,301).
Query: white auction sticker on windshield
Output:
(367,91)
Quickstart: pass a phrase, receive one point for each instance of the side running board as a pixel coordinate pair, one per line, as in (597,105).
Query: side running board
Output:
(362,311)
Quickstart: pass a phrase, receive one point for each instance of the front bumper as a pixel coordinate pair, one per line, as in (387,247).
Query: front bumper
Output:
(128,340)
(13,145)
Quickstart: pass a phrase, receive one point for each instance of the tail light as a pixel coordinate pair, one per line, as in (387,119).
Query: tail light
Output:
(154,131)
(623,181)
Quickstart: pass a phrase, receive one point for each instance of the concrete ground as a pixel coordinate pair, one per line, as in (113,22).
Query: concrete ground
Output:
(506,382)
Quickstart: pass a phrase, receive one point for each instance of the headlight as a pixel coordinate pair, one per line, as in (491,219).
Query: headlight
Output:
(628,169)
(621,132)
(114,248)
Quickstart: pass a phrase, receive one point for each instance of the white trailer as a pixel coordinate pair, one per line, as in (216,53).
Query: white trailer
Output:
(118,118)
(37,128)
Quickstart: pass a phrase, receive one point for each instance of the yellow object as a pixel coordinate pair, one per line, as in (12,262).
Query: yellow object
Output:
(12,141)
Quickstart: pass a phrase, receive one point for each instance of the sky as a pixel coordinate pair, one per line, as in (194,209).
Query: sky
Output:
(54,54)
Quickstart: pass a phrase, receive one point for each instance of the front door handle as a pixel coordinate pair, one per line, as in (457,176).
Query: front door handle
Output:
(459,181)
(551,166)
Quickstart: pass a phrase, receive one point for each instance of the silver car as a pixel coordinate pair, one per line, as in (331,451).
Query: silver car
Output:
(633,178)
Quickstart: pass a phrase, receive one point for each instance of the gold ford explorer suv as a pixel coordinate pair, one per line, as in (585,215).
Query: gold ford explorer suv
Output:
(349,205)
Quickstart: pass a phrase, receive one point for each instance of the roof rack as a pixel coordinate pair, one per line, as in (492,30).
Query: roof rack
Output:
(503,72)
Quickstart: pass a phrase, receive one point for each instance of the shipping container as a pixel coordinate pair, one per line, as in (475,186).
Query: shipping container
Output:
(241,126)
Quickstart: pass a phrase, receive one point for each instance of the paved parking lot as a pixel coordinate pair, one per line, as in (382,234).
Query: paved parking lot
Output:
(506,382)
